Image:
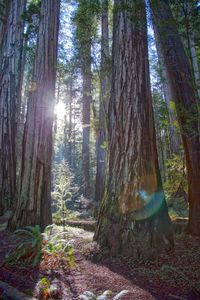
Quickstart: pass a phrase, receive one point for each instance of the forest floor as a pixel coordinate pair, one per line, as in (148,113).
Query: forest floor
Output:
(175,276)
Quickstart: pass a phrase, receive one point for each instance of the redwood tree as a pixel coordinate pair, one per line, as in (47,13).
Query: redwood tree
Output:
(174,136)
(133,214)
(180,75)
(101,144)
(86,25)
(34,200)
(11,74)
(84,20)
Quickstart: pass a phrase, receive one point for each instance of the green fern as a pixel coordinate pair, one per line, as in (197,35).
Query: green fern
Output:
(30,250)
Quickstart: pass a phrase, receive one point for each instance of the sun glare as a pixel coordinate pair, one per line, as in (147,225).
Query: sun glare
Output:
(60,110)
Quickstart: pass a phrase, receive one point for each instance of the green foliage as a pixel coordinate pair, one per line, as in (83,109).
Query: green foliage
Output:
(86,21)
(33,8)
(30,250)
(44,286)
(31,18)
(63,191)
(175,175)
(2,11)
(187,17)
(44,283)
(104,145)
(55,244)
(161,112)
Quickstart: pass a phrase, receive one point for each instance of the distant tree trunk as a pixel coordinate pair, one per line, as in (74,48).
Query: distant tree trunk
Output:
(194,62)
(180,76)
(34,201)
(87,100)
(85,19)
(175,139)
(101,144)
(188,13)
(11,75)
(70,129)
(133,216)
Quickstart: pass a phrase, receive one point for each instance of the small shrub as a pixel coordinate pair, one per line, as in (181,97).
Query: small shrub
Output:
(55,244)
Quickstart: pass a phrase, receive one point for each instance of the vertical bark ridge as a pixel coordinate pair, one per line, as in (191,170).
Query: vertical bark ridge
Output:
(125,220)
(34,201)
(11,74)
(180,75)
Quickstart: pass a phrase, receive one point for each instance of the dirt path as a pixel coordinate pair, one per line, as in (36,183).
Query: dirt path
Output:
(164,279)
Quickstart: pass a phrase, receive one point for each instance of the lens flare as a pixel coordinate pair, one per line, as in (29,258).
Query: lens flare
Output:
(152,204)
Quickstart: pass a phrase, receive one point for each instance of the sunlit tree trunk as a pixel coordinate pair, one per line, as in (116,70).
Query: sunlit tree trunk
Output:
(180,76)
(70,127)
(133,217)
(34,201)
(11,74)
(101,145)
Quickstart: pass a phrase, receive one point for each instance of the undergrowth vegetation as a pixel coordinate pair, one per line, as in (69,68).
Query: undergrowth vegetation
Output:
(34,244)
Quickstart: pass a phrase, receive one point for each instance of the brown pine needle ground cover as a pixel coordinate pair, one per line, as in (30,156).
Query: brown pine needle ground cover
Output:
(174,276)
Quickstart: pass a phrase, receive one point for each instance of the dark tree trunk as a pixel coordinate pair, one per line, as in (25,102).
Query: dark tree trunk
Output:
(133,216)
(11,74)
(87,101)
(194,62)
(85,30)
(34,201)
(101,144)
(188,9)
(180,75)
(174,136)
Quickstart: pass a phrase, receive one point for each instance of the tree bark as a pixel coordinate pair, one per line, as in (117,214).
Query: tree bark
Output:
(87,101)
(85,30)
(102,135)
(175,139)
(194,63)
(180,75)
(133,217)
(11,75)
(34,201)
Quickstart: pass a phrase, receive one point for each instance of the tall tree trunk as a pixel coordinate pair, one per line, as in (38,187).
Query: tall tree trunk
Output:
(34,201)
(180,75)
(175,139)
(70,129)
(11,74)
(133,215)
(101,144)
(87,101)
(85,19)
(194,62)
(188,13)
